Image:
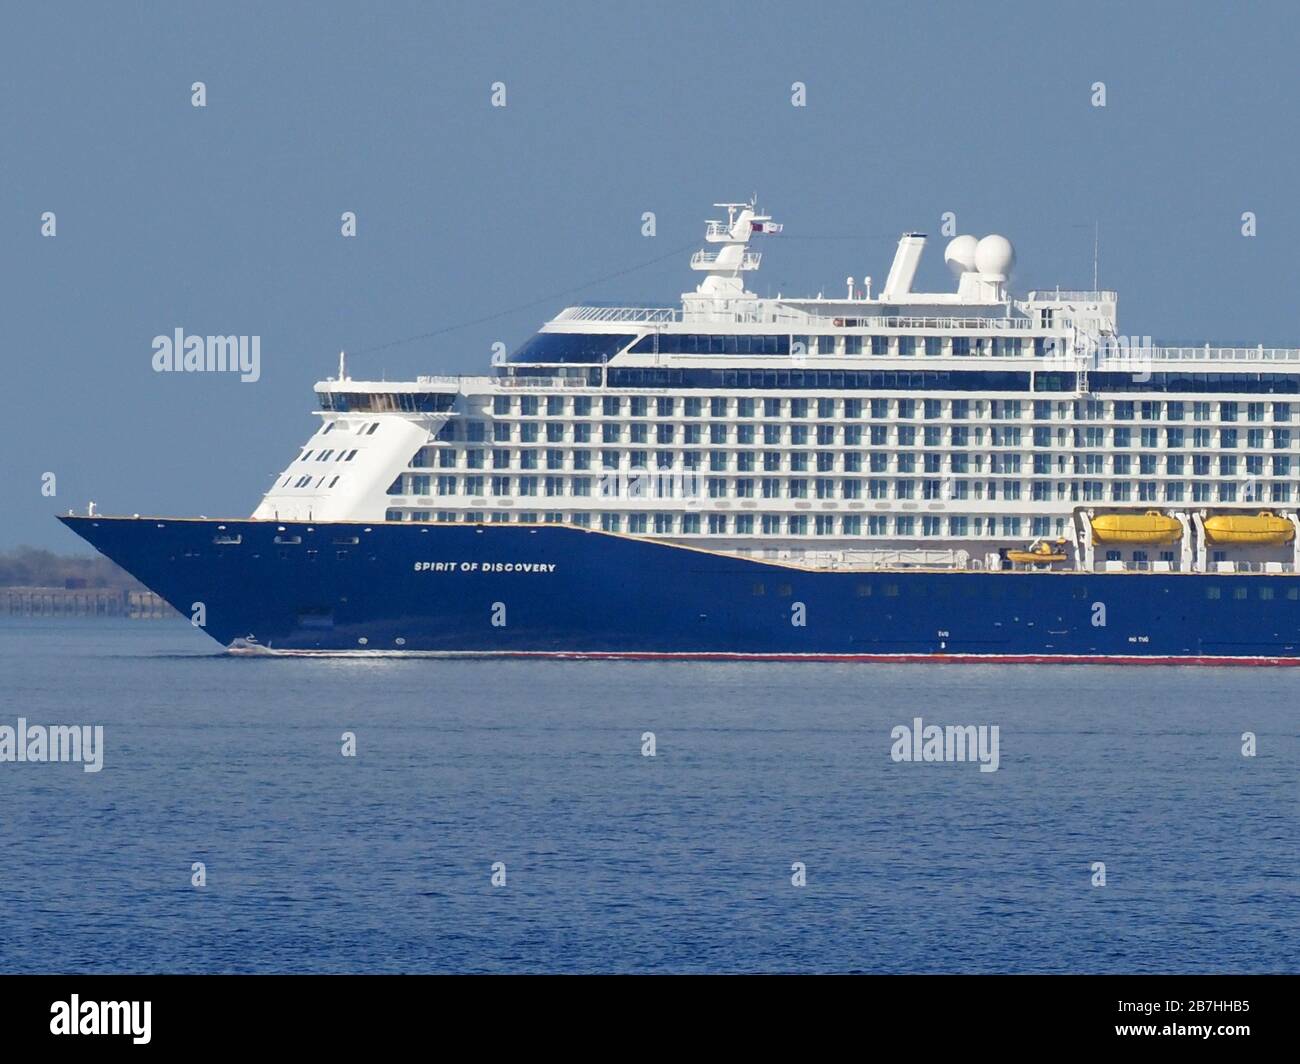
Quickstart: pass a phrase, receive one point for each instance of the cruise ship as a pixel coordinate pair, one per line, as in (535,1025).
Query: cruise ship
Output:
(879,473)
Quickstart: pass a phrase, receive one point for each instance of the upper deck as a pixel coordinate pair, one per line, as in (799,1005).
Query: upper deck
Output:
(721,323)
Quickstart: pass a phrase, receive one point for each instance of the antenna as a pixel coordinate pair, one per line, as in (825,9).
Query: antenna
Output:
(1096,247)
(1096,250)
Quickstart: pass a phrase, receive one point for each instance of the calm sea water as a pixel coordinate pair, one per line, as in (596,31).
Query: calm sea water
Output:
(615,861)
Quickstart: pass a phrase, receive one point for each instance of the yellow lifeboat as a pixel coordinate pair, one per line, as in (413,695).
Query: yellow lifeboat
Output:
(1040,552)
(1264,529)
(1150,527)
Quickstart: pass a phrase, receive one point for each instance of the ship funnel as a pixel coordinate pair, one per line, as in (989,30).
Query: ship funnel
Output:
(903,271)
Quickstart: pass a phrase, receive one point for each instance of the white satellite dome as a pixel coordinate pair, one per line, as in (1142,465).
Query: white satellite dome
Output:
(994,257)
(960,254)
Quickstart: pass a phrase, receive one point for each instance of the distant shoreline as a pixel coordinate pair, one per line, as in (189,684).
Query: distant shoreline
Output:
(82,602)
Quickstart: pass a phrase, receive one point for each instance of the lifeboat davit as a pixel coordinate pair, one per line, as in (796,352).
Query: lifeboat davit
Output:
(1150,527)
(1264,529)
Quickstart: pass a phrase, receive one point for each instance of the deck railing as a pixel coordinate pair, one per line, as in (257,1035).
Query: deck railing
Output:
(1123,357)
(1060,295)
(619,314)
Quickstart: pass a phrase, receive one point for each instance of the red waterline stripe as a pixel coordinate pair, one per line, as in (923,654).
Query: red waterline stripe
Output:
(905,659)
(930,659)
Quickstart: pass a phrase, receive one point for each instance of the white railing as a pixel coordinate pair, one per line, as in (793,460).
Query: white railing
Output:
(797,320)
(632,314)
(804,321)
(907,322)
(1137,356)
(703,260)
(542,382)
(1060,295)
(1101,566)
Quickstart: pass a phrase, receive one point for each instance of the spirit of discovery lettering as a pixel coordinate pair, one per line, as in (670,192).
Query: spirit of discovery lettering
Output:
(484,567)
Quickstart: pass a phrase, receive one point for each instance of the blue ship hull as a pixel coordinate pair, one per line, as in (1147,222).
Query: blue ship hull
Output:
(557,590)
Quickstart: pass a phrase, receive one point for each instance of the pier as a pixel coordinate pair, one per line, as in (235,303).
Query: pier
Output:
(82,602)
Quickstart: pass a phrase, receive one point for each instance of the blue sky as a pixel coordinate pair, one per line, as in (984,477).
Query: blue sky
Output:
(225,219)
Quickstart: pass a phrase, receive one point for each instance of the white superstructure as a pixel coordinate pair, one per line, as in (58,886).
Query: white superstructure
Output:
(901,428)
